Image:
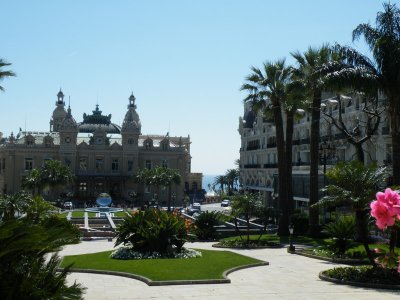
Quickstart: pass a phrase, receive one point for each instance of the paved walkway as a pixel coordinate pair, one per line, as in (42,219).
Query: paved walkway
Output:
(287,277)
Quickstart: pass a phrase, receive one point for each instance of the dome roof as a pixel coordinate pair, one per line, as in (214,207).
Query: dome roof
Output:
(92,122)
(131,120)
(69,121)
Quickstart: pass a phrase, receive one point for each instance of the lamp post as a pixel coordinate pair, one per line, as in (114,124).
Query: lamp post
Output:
(291,248)
(327,150)
(173,200)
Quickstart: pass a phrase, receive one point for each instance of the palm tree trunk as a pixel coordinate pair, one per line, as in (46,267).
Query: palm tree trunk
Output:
(395,131)
(289,151)
(362,233)
(314,162)
(282,171)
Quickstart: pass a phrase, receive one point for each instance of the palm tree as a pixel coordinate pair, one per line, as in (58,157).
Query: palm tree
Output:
(221,181)
(382,74)
(232,178)
(5,73)
(271,90)
(354,186)
(159,176)
(309,64)
(12,205)
(52,174)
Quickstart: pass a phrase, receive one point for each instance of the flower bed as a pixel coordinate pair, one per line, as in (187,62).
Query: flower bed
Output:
(242,244)
(129,253)
(365,276)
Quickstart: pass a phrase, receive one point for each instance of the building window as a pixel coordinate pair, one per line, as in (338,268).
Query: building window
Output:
(148,164)
(28,164)
(130,165)
(114,165)
(83,186)
(67,140)
(83,164)
(194,186)
(164,163)
(131,141)
(99,165)
(98,188)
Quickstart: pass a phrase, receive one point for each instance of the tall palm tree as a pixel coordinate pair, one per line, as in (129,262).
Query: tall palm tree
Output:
(220,181)
(232,177)
(270,92)
(5,73)
(381,74)
(308,65)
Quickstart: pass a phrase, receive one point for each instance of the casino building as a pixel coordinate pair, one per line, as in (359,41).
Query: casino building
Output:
(103,156)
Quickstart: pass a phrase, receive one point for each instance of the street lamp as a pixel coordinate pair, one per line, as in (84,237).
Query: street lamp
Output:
(327,150)
(291,246)
(173,200)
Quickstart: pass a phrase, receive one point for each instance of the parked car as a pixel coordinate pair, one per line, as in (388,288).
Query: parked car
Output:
(194,208)
(225,203)
(68,205)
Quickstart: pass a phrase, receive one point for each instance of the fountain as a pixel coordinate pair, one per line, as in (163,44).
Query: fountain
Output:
(104,210)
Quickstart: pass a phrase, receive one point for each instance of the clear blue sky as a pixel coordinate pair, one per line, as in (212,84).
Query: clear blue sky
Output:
(184,60)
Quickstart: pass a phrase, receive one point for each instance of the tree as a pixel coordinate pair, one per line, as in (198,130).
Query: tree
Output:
(272,90)
(159,176)
(232,178)
(307,71)
(246,206)
(5,73)
(354,186)
(28,265)
(220,181)
(363,129)
(12,205)
(52,174)
(382,74)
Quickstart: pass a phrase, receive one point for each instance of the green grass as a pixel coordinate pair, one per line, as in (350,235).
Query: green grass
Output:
(63,215)
(81,214)
(210,266)
(120,214)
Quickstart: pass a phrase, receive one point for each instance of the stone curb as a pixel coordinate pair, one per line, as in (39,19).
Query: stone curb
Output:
(170,282)
(322,276)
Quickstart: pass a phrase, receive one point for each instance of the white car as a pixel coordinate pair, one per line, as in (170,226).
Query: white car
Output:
(68,205)
(225,203)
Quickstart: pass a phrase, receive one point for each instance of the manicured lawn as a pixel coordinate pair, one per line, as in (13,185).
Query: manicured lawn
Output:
(81,214)
(120,214)
(210,266)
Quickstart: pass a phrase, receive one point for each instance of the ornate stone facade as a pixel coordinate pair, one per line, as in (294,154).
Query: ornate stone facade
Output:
(103,156)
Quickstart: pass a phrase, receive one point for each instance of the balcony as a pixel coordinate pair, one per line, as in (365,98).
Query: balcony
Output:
(252,148)
(305,141)
(270,166)
(271,145)
(252,166)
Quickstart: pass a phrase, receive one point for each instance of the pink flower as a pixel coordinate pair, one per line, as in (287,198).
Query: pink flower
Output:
(391,198)
(386,208)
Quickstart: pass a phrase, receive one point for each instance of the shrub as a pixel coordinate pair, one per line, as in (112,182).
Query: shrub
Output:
(153,230)
(204,225)
(300,222)
(342,232)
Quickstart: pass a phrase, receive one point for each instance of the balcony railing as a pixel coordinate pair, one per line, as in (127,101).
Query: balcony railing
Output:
(252,166)
(271,145)
(251,148)
(270,166)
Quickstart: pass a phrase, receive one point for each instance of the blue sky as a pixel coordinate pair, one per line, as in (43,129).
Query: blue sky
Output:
(184,60)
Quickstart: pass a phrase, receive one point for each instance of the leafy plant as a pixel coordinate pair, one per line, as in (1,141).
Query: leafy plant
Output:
(204,225)
(300,222)
(153,230)
(365,274)
(342,232)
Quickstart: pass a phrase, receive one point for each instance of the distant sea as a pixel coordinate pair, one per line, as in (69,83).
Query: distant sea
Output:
(208,179)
